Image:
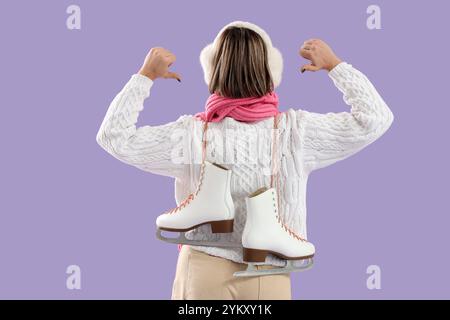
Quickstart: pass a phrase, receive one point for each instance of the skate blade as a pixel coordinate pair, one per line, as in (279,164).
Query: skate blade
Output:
(183,240)
(252,271)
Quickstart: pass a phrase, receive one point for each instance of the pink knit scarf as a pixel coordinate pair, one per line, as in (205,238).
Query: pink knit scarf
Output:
(242,109)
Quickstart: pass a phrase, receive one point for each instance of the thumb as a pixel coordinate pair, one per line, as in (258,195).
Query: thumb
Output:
(172,75)
(309,67)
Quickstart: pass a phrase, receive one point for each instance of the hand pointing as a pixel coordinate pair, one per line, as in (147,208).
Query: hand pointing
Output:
(320,55)
(157,63)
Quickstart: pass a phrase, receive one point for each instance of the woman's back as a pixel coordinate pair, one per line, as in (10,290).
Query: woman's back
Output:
(307,141)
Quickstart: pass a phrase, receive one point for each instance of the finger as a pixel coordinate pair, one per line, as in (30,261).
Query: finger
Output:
(309,67)
(165,51)
(306,53)
(172,75)
(170,58)
(310,47)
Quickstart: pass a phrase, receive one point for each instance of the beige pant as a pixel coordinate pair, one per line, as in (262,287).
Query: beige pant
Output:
(200,276)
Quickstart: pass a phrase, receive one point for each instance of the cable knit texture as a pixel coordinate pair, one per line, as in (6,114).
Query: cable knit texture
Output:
(307,141)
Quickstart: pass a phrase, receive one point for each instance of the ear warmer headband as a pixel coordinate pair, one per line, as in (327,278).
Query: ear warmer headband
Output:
(275,59)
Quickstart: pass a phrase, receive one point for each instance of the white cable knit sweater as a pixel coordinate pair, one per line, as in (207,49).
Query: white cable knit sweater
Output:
(308,141)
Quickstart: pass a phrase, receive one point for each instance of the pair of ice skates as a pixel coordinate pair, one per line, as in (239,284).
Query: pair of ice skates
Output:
(264,230)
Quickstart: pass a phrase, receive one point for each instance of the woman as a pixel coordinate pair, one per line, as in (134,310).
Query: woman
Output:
(244,65)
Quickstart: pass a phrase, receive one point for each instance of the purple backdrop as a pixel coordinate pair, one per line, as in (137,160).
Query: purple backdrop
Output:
(65,201)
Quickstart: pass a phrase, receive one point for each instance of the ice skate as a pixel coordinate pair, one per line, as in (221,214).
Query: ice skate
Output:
(265,233)
(211,204)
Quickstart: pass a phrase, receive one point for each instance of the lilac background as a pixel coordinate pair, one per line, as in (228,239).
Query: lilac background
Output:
(66,201)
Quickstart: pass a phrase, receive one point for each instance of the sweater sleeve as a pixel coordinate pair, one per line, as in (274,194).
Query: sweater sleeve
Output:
(149,148)
(332,137)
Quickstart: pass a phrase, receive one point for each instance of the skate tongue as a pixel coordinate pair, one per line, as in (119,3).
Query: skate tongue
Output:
(257,192)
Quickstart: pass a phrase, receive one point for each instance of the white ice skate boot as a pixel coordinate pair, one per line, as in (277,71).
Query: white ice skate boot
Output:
(265,233)
(210,204)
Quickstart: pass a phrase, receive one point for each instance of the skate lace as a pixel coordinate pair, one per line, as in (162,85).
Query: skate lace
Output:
(292,233)
(191,196)
(275,181)
(183,204)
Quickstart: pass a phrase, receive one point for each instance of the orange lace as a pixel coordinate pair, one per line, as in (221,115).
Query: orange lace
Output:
(274,180)
(191,196)
(183,204)
(292,233)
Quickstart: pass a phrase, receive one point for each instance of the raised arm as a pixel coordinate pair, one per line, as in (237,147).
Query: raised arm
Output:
(331,137)
(150,148)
